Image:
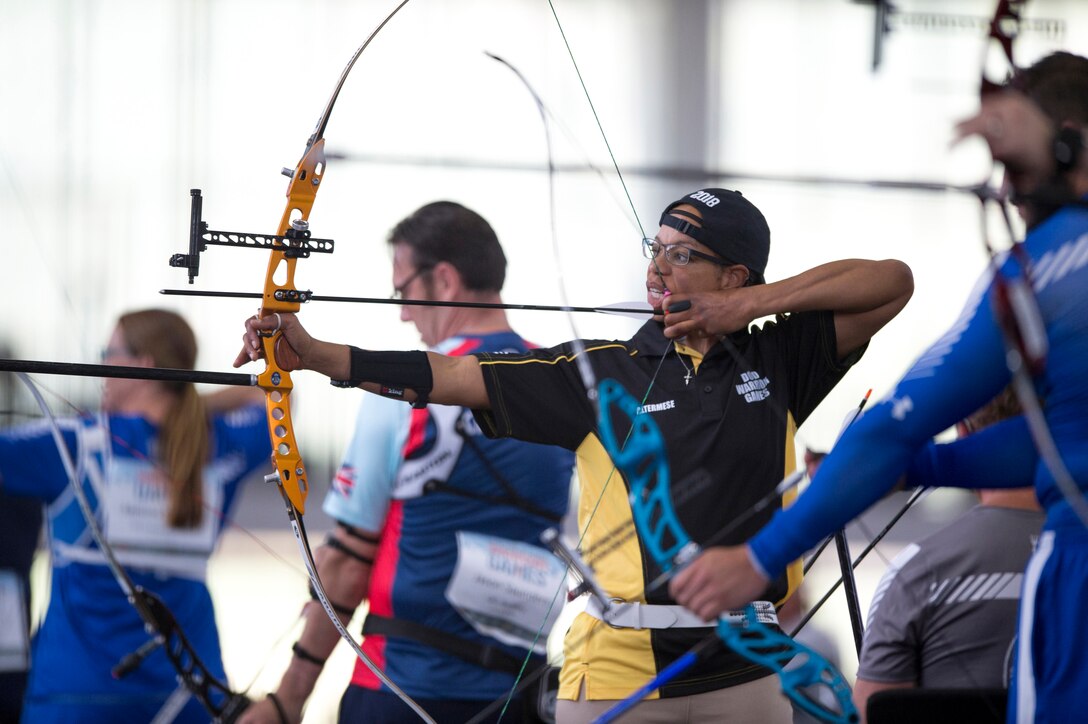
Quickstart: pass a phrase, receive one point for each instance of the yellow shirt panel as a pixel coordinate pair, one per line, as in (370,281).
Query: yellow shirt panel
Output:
(623,659)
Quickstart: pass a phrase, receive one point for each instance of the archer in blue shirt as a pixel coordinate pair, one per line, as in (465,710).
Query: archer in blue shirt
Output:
(1034,125)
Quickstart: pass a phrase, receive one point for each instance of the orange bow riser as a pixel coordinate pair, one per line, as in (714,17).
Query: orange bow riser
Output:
(279,283)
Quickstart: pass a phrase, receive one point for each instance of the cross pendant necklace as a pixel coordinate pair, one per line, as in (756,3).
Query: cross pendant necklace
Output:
(688,371)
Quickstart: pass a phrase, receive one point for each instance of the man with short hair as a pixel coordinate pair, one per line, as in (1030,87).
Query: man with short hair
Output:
(425,505)
(726,399)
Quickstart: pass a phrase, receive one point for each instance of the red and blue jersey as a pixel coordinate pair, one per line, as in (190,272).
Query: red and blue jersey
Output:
(419,477)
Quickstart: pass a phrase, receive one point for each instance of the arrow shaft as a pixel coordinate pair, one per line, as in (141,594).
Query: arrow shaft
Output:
(421,302)
(164,374)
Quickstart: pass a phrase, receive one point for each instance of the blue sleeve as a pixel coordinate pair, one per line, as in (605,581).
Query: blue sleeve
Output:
(1001,456)
(29,461)
(959,373)
(360,494)
(245,430)
(242,435)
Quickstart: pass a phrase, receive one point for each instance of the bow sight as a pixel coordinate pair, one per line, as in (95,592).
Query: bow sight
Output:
(295,244)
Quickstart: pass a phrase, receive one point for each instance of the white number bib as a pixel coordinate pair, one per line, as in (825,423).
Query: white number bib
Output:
(506,588)
(135,511)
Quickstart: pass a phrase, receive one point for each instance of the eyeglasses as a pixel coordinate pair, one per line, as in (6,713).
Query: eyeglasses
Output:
(677,254)
(398,291)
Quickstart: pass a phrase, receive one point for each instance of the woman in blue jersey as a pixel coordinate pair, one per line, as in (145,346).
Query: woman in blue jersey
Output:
(161,470)
(1034,126)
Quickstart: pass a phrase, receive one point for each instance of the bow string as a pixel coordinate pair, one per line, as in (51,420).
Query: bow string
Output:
(664,536)
(276,382)
(642,460)
(1026,344)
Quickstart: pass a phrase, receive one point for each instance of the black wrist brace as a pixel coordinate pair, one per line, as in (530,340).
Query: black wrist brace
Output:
(394,371)
(336,545)
(305,655)
(356,533)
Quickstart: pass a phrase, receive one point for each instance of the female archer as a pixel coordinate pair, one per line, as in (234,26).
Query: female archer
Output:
(160,467)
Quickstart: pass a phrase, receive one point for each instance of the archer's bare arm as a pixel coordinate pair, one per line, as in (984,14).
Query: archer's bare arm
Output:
(345,580)
(863,294)
(457,380)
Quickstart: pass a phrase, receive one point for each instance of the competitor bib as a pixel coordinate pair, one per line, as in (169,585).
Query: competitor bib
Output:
(505,588)
(135,511)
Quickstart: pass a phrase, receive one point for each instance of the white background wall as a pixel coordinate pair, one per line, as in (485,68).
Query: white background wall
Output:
(111,110)
(114,109)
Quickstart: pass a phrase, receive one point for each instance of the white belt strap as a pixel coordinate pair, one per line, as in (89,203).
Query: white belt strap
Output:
(643,615)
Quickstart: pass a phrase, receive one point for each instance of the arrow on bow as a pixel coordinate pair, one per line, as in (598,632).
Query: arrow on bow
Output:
(162,374)
(981,191)
(221,702)
(639,310)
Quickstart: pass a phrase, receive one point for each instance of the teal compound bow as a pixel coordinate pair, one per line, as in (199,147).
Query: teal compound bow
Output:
(642,461)
(640,458)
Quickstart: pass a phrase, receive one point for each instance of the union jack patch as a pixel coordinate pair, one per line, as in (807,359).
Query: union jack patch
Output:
(344,481)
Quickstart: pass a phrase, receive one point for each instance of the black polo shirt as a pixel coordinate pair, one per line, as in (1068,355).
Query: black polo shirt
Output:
(728,431)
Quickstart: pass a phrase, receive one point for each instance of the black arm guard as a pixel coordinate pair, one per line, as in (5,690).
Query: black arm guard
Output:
(394,371)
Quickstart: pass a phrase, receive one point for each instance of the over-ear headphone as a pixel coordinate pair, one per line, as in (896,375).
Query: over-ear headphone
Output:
(1068,145)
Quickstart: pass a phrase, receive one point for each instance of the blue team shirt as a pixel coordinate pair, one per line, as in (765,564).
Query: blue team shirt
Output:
(960,372)
(89,625)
